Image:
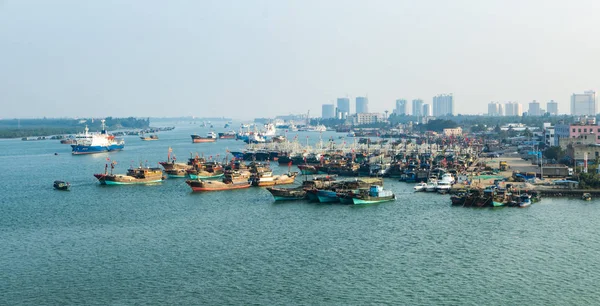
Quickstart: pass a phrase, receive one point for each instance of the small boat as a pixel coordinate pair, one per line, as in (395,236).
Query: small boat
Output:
(524,200)
(308,169)
(210,137)
(443,187)
(586,196)
(148,138)
(60,185)
(68,141)
(201,185)
(420,187)
(287,194)
(134,176)
(431,186)
(375,194)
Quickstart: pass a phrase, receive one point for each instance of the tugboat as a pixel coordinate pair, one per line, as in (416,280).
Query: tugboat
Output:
(60,185)
(210,137)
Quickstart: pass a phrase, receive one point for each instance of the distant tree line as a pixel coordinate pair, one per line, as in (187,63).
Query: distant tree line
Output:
(18,128)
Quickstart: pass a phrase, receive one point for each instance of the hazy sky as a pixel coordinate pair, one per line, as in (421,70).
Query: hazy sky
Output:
(246,59)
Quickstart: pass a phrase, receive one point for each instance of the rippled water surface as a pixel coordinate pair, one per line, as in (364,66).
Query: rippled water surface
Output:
(162,244)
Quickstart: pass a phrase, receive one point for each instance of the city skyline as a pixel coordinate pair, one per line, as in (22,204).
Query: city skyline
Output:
(74,59)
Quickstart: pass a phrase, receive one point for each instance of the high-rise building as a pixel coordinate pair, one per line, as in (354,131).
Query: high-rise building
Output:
(417,107)
(584,104)
(500,109)
(328,111)
(343,108)
(443,105)
(494,109)
(426,110)
(513,109)
(552,108)
(362,105)
(534,109)
(401,107)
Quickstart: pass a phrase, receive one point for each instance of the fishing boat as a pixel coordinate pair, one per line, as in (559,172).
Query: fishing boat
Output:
(375,194)
(202,185)
(205,170)
(308,169)
(90,143)
(420,187)
(287,194)
(586,197)
(69,141)
(266,178)
(138,175)
(176,173)
(210,137)
(60,185)
(524,200)
(149,138)
(327,196)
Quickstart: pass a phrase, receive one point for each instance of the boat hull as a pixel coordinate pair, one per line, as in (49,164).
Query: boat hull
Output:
(372,200)
(199,186)
(82,149)
(205,177)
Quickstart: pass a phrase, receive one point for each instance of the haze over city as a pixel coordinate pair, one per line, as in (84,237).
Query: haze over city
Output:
(246,59)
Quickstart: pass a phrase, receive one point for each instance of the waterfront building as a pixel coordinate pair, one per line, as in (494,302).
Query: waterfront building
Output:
(552,108)
(584,104)
(343,106)
(443,105)
(426,111)
(417,107)
(362,105)
(328,111)
(401,107)
(368,118)
(534,109)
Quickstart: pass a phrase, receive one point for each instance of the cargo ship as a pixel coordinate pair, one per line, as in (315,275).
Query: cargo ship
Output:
(89,143)
(227,135)
(210,137)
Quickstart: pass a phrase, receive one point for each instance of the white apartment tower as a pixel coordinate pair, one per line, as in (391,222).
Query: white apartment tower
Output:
(584,104)
(443,105)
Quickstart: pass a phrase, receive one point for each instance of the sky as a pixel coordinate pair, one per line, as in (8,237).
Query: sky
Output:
(245,59)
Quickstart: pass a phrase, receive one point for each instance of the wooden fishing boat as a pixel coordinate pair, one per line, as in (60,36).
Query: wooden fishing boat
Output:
(134,176)
(375,194)
(287,194)
(202,185)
